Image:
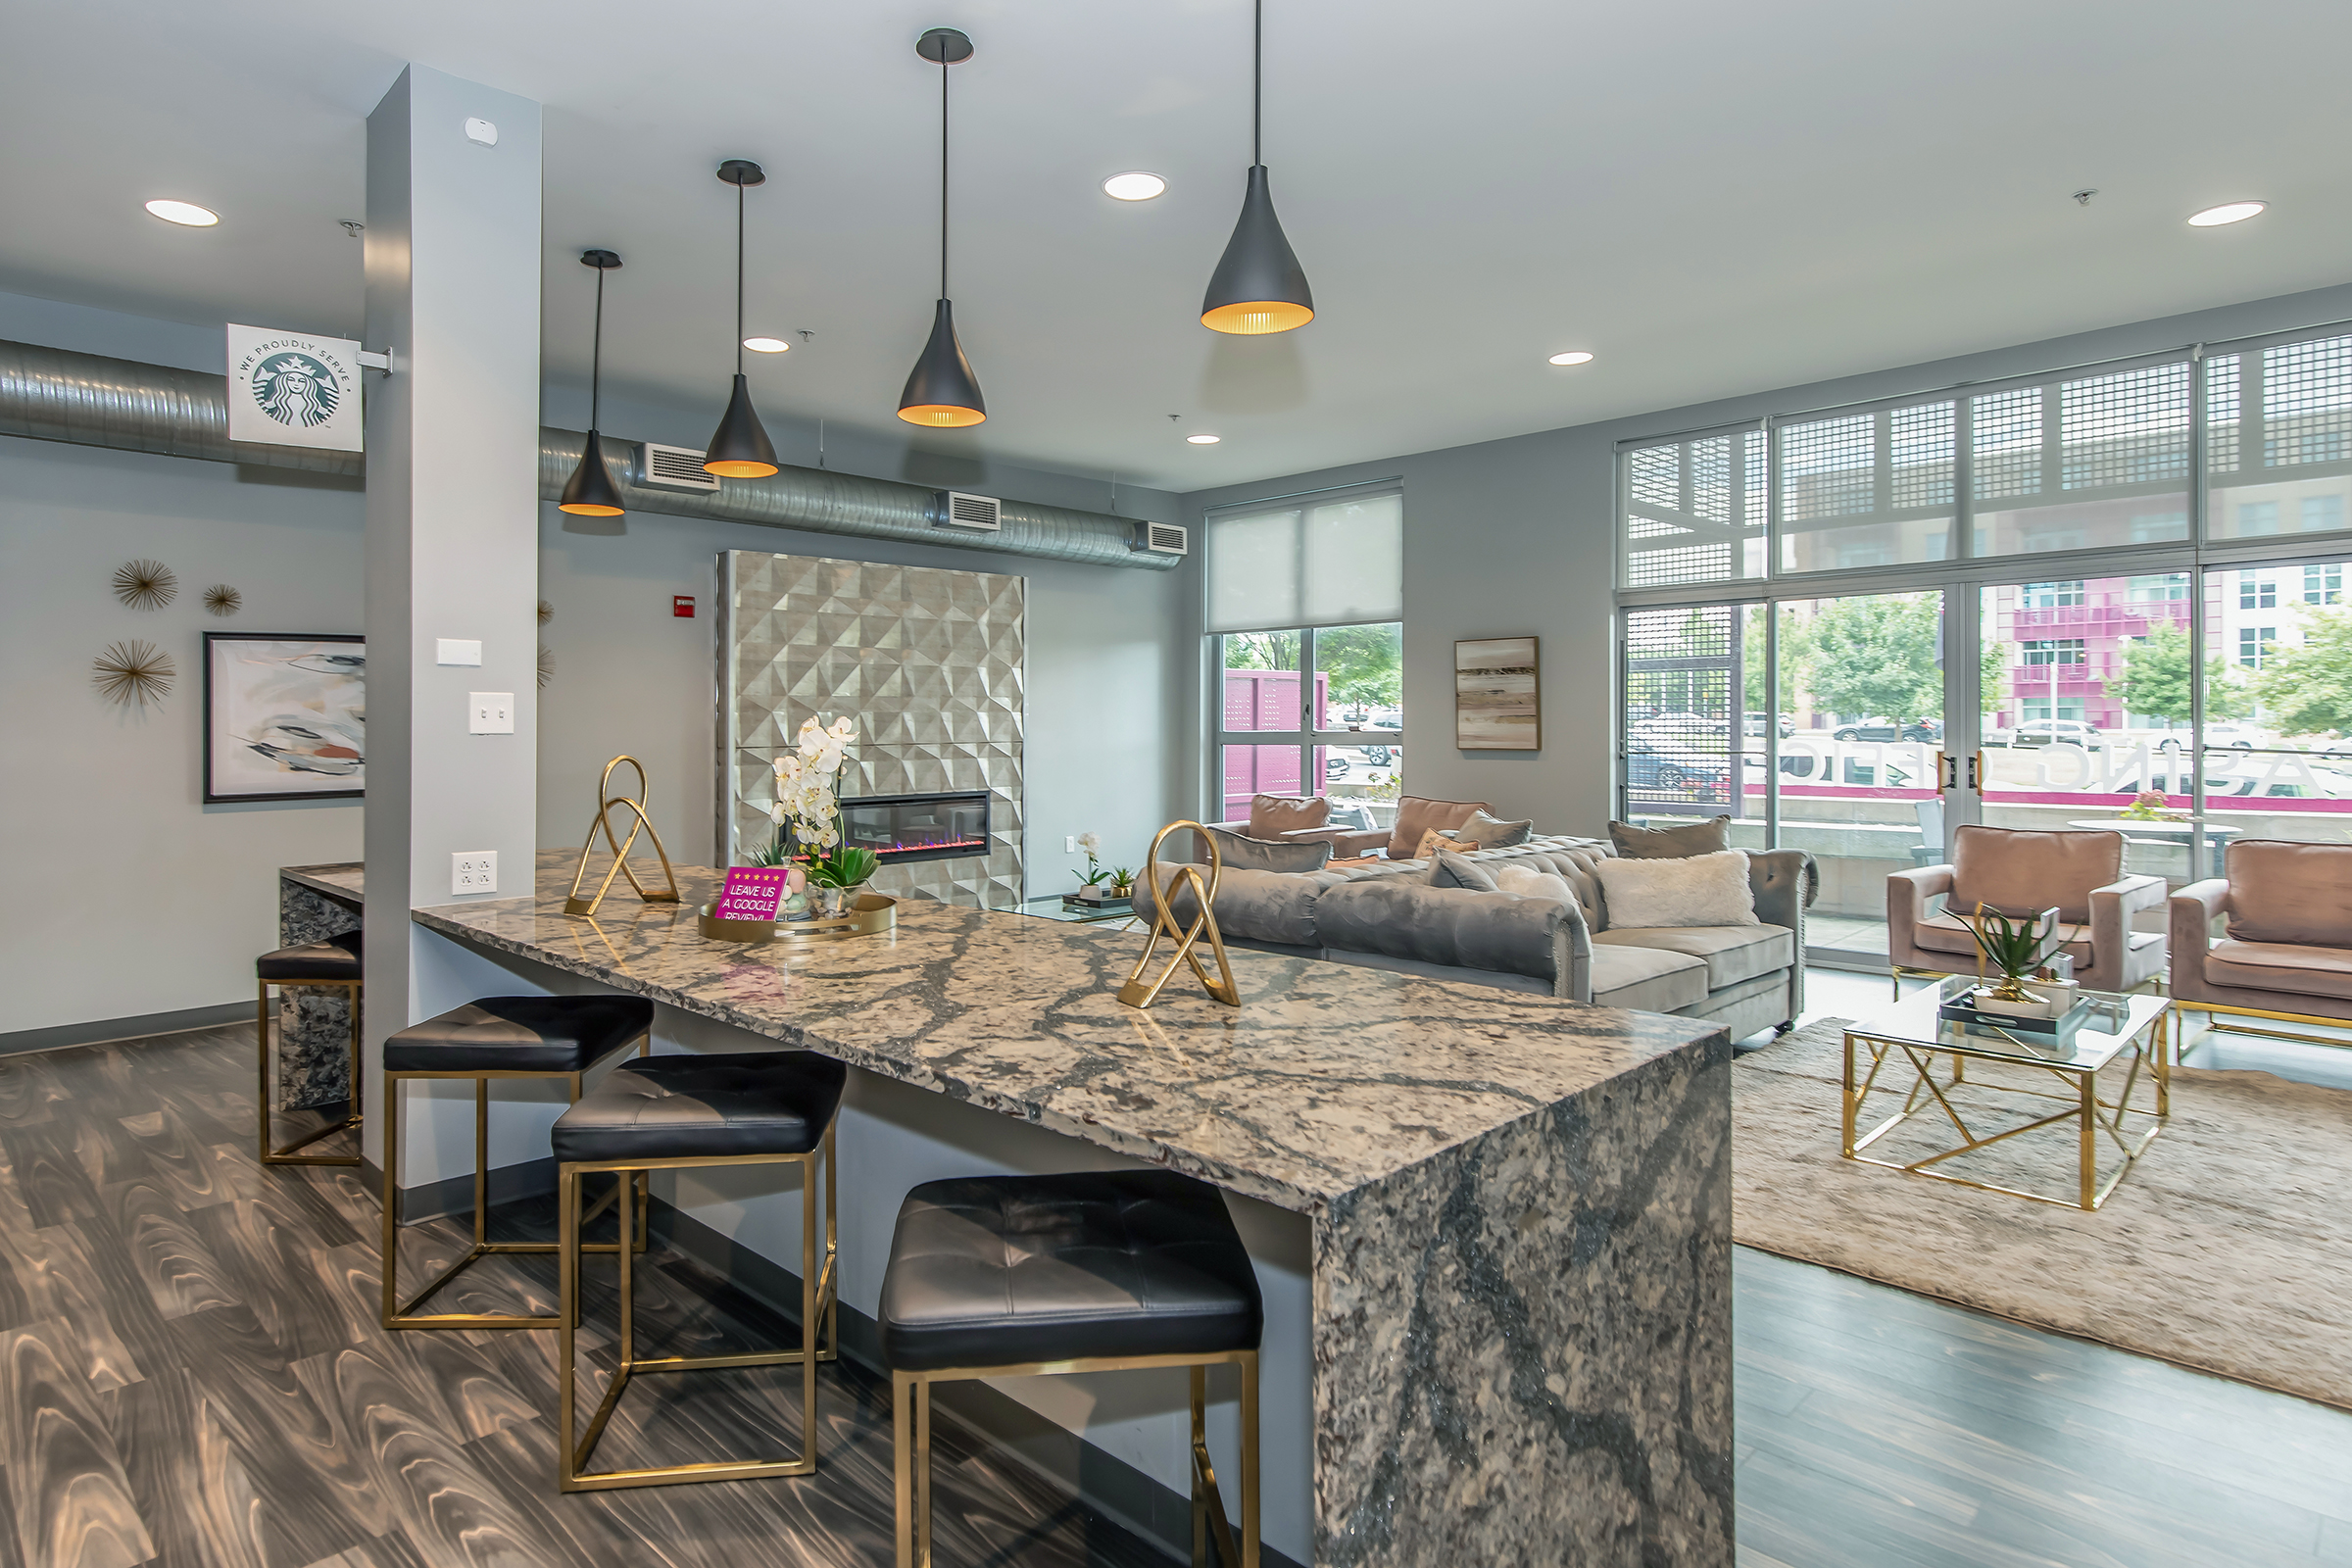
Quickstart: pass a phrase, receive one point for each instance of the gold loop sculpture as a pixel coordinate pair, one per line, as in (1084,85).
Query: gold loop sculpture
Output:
(1136,993)
(607,804)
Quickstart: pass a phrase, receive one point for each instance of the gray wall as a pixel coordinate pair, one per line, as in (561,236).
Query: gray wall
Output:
(1510,537)
(100,814)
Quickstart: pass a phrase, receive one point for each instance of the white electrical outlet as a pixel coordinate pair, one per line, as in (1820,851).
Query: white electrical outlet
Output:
(473,871)
(1069,845)
(490,712)
(457,651)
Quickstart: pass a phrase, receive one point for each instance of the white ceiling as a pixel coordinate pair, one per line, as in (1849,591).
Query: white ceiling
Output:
(1714,196)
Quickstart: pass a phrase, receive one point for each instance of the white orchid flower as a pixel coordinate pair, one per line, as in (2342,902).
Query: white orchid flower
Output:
(1090,843)
(779,814)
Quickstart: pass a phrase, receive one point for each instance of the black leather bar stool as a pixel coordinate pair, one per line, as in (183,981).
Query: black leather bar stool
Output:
(758,1107)
(1103,1271)
(496,1036)
(331,965)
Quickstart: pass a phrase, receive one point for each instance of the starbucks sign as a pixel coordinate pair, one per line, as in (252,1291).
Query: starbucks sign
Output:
(289,389)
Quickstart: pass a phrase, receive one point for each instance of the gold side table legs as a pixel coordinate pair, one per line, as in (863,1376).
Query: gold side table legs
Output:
(289,1155)
(400,1314)
(1214,1541)
(820,1317)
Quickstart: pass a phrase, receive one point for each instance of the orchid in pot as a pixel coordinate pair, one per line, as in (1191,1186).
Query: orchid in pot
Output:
(1091,881)
(807,814)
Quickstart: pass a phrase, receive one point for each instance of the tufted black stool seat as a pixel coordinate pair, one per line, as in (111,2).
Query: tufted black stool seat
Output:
(756,1108)
(336,964)
(494,1037)
(1006,1276)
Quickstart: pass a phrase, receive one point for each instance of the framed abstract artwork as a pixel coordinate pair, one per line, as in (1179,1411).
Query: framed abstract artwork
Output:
(1495,700)
(285,717)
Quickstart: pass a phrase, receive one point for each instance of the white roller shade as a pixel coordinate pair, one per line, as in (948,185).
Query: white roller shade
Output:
(1338,563)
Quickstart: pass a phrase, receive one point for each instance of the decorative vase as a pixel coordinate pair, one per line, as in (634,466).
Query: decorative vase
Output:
(834,902)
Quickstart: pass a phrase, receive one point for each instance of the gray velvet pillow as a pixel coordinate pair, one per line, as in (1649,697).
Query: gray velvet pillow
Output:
(1447,870)
(1242,853)
(1671,842)
(1488,833)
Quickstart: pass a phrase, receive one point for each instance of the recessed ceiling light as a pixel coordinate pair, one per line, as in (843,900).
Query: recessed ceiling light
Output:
(1572,357)
(765,345)
(1134,186)
(2227,212)
(1204,439)
(187,213)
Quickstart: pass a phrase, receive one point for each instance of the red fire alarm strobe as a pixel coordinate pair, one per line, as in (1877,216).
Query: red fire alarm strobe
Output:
(682,606)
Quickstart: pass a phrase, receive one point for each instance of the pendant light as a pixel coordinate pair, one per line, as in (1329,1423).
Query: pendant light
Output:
(941,391)
(589,491)
(740,448)
(1259,286)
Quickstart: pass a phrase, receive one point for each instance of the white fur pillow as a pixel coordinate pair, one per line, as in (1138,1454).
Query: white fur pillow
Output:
(1697,890)
(1529,882)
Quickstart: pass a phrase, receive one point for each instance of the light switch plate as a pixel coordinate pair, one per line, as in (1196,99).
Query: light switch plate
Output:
(490,712)
(473,871)
(457,651)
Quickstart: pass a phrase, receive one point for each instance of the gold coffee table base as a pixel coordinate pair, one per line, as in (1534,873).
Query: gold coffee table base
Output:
(2102,1124)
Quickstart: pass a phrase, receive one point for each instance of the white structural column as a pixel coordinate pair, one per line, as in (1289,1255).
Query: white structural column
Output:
(452,544)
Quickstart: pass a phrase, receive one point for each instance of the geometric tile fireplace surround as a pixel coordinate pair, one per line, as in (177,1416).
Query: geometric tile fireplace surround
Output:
(931,665)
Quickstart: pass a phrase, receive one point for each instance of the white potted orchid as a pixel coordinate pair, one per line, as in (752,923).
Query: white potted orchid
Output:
(807,814)
(1091,881)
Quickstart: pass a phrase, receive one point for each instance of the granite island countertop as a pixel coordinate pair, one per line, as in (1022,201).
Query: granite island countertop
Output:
(1327,1079)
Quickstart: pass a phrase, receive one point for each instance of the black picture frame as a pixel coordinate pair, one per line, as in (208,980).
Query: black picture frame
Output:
(304,783)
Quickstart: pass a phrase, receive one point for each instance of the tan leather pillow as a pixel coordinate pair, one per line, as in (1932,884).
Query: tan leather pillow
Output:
(1671,842)
(1273,816)
(1415,817)
(2286,892)
(2014,871)
(1482,832)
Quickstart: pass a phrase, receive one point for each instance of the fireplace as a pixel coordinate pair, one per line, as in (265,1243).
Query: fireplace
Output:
(904,828)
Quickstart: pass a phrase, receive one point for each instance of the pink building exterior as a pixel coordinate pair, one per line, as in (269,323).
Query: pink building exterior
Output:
(2066,642)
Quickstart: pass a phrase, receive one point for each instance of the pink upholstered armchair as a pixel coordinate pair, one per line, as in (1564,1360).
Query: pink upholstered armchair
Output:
(2016,872)
(2288,943)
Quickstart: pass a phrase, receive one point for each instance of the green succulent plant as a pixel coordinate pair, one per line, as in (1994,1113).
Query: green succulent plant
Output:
(2012,947)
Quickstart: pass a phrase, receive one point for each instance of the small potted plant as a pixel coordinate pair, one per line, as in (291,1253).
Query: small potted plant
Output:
(2013,948)
(1091,881)
(838,875)
(2148,806)
(1122,882)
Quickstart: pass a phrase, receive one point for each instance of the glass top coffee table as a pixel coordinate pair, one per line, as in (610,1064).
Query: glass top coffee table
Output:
(2110,1084)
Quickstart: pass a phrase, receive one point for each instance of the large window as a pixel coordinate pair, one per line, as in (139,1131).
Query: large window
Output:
(1306,617)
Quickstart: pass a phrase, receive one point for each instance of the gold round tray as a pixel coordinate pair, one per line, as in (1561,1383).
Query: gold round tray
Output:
(871,913)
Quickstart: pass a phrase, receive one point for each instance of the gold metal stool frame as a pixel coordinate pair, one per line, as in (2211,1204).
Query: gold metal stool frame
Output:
(606,803)
(400,1315)
(821,1313)
(911,1427)
(288,1155)
(1135,992)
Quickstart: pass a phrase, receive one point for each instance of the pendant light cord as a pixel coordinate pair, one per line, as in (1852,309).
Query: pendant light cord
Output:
(739,278)
(943,172)
(595,355)
(1257,79)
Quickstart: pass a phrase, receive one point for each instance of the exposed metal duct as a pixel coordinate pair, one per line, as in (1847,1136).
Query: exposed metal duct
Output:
(91,400)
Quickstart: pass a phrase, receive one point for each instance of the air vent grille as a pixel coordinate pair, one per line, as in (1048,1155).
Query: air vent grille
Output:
(1161,539)
(676,469)
(960,511)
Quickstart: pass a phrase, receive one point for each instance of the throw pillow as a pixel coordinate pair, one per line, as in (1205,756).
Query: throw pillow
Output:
(1243,854)
(1695,890)
(1530,883)
(1429,845)
(1671,842)
(1416,816)
(1273,816)
(1487,833)
(1450,870)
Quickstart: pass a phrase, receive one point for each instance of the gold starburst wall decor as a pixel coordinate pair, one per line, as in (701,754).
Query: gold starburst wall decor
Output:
(133,672)
(547,612)
(146,584)
(546,664)
(223,600)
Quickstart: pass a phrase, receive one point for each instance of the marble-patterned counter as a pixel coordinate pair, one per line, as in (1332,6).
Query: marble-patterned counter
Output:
(314,1027)
(1520,1207)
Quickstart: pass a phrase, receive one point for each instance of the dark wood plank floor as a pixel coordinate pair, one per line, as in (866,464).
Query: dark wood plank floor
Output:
(191,1373)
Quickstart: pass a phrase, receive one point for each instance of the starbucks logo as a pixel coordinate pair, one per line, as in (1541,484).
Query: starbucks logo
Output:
(295,389)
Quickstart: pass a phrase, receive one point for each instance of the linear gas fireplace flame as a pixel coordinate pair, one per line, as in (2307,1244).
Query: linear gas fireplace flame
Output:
(904,828)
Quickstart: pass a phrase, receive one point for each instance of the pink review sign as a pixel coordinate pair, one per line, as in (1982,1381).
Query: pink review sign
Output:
(754,893)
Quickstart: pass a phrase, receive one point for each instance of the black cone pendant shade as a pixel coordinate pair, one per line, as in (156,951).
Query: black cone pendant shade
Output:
(589,491)
(941,391)
(740,448)
(1259,286)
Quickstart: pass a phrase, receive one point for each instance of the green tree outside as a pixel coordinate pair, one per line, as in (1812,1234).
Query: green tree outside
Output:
(2308,690)
(2156,679)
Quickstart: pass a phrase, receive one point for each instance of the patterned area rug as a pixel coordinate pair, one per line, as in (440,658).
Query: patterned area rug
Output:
(2227,1248)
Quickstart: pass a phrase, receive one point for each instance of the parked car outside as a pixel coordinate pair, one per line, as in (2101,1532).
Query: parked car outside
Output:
(1756,722)
(2239,737)
(1927,731)
(1651,766)
(2050,732)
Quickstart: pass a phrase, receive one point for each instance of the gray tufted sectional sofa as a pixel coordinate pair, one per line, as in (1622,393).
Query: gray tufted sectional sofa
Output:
(1387,916)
